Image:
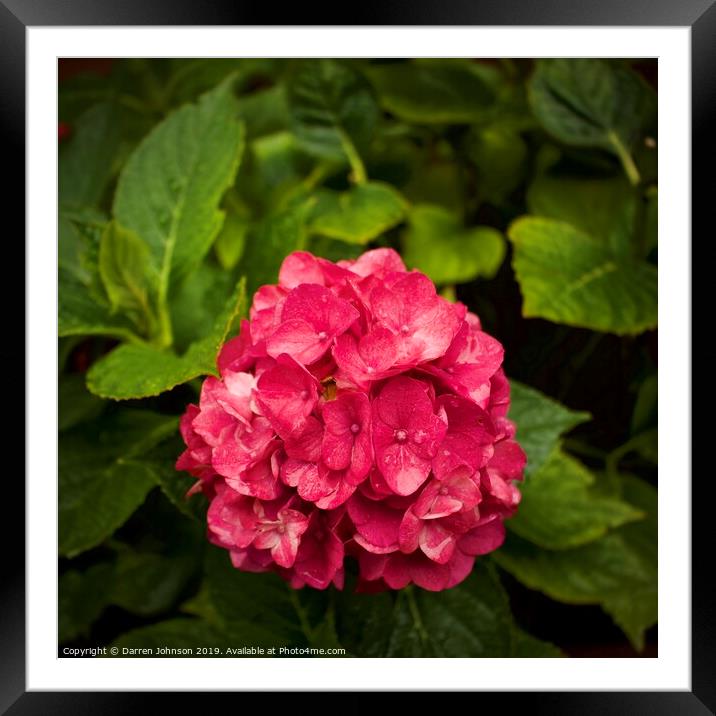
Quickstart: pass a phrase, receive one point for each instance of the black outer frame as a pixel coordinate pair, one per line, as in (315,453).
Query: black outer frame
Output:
(700,15)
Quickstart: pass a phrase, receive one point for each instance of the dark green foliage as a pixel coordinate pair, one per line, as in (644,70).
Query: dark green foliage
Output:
(525,189)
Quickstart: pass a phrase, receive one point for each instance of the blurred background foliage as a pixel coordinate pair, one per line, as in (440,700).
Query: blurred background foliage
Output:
(526,189)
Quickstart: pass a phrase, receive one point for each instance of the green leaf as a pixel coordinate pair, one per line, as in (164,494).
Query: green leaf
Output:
(559,509)
(200,605)
(358,215)
(616,571)
(470,620)
(77,94)
(82,598)
(99,487)
(65,349)
(196,304)
(646,444)
(540,421)
(437,181)
(81,314)
(75,404)
(592,103)
(275,166)
(651,222)
(276,237)
(163,561)
(139,370)
(526,646)
(566,276)
(500,157)
(186,635)
(83,306)
(265,112)
(635,612)
(333,250)
(434,93)
(148,583)
(257,608)
(231,241)
(171,186)
(437,244)
(80,229)
(363,621)
(175,484)
(191,77)
(603,208)
(144,583)
(590,574)
(128,276)
(646,407)
(332,108)
(86,158)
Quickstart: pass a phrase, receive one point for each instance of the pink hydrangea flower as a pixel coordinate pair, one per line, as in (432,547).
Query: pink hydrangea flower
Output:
(358,415)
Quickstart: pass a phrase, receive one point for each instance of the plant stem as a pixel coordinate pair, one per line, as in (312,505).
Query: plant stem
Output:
(580,448)
(305,625)
(630,168)
(415,613)
(165,337)
(358,173)
(317,175)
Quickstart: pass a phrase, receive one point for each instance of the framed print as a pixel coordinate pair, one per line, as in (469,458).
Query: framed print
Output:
(360,341)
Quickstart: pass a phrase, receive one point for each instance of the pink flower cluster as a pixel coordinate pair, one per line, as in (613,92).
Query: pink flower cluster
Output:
(358,414)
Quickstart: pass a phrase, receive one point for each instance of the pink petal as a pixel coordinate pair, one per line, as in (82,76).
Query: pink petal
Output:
(337,450)
(251,559)
(442,498)
(338,496)
(509,459)
(294,525)
(317,306)
(436,542)
(328,489)
(235,355)
(320,555)
(286,394)
(298,339)
(410,308)
(376,523)
(378,262)
(223,516)
(484,539)
(397,571)
(501,489)
(468,443)
(402,469)
(362,361)
(459,567)
(402,403)
(372,565)
(295,471)
(474,355)
(185,425)
(409,532)
(499,395)
(315,484)
(259,480)
(305,444)
(265,311)
(300,267)
(346,442)
(428,574)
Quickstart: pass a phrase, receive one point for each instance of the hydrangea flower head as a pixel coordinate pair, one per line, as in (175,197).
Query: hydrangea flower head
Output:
(358,415)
